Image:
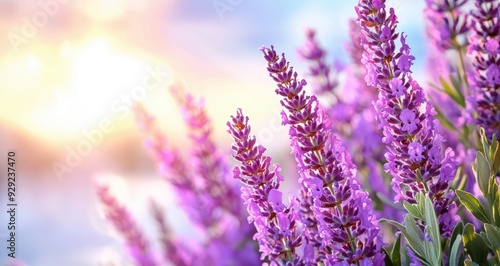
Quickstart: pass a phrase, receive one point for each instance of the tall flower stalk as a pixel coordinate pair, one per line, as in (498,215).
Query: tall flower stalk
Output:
(346,223)
(173,250)
(351,109)
(137,244)
(279,232)
(447,28)
(414,156)
(484,48)
(210,199)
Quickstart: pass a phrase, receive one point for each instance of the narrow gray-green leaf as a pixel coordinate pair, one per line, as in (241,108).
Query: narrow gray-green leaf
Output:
(474,245)
(493,234)
(482,172)
(413,210)
(433,229)
(396,252)
(454,254)
(473,205)
(470,263)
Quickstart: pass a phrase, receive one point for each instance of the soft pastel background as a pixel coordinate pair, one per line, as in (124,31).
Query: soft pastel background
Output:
(61,79)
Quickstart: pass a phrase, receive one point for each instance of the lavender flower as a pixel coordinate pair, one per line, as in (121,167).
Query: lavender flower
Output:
(351,108)
(173,250)
(209,198)
(484,47)
(413,258)
(209,163)
(198,204)
(446,22)
(366,138)
(320,70)
(414,146)
(278,231)
(344,213)
(118,215)
(212,169)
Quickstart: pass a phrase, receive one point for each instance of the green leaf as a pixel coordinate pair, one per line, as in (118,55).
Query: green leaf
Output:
(388,201)
(414,236)
(413,210)
(454,251)
(445,122)
(485,239)
(496,158)
(456,85)
(396,252)
(460,180)
(474,245)
(493,234)
(432,229)
(452,92)
(473,205)
(459,228)
(484,142)
(387,259)
(482,171)
(411,232)
(470,263)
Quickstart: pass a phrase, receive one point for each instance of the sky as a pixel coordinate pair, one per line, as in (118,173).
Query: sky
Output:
(70,68)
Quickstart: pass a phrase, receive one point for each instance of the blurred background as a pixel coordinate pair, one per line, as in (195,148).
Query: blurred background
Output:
(70,71)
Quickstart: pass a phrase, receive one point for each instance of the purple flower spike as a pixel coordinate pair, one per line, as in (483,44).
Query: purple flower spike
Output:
(320,70)
(209,164)
(484,47)
(173,250)
(345,221)
(210,199)
(446,22)
(278,231)
(414,152)
(122,222)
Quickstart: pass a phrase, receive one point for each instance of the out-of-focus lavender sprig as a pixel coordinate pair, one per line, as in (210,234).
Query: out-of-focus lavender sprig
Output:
(484,48)
(323,74)
(415,159)
(447,23)
(204,191)
(346,224)
(211,168)
(173,250)
(279,231)
(208,162)
(197,203)
(138,246)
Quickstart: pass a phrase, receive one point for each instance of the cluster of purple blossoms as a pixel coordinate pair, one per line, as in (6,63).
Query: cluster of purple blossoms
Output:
(446,22)
(344,214)
(484,47)
(203,186)
(324,76)
(279,232)
(174,251)
(332,219)
(137,245)
(414,154)
(351,108)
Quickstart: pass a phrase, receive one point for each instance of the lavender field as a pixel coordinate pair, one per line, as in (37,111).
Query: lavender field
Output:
(233,132)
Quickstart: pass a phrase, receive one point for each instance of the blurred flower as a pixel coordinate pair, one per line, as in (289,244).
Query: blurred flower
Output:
(484,48)
(137,245)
